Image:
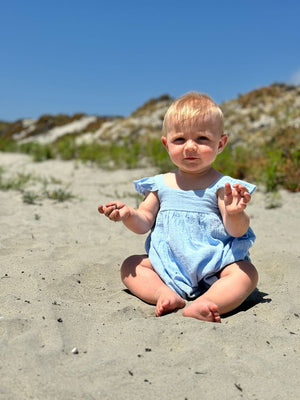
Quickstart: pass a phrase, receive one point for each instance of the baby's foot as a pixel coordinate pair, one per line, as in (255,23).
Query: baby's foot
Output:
(167,302)
(206,311)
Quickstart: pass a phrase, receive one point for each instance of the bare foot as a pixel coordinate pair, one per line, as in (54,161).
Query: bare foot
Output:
(167,302)
(206,311)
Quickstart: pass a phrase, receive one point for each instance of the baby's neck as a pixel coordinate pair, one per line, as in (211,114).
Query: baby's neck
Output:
(191,181)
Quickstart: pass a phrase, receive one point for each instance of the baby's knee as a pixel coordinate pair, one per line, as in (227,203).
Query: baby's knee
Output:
(129,266)
(254,276)
(249,269)
(243,268)
(126,267)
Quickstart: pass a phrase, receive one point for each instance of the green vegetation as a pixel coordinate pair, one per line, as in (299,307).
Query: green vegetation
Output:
(21,182)
(14,183)
(275,164)
(30,197)
(125,154)
(59,194)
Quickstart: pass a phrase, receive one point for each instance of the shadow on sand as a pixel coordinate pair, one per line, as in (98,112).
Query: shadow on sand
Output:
(256,297)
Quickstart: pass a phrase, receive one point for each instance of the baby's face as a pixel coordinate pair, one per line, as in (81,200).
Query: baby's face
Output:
(194,148)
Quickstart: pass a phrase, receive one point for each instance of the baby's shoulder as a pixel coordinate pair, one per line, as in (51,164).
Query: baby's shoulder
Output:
(150,184)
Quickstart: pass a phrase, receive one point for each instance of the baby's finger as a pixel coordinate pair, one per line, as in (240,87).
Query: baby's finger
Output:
(109,209)
(247,197)
(115,215)
(111,204)
(227,189)
(241,189)
(100,209)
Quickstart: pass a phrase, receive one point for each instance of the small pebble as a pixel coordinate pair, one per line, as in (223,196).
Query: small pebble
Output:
(75,350)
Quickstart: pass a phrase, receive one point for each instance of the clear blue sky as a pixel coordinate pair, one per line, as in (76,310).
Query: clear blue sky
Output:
(109,57)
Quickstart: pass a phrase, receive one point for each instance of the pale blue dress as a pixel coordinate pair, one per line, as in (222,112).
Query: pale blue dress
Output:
(188,245)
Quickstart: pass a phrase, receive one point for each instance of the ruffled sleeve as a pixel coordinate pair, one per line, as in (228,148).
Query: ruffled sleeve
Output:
(221,182)
(146,184)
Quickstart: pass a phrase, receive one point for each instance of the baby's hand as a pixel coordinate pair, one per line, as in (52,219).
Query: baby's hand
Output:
(115,211)
(235,198)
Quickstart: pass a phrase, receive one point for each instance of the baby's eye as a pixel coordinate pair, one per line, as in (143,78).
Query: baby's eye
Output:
(179,140)
(202,138)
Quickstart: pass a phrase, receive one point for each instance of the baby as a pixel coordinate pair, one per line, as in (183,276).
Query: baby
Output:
(199,241)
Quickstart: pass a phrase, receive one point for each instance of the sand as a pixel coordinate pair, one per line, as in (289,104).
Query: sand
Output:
(69,329)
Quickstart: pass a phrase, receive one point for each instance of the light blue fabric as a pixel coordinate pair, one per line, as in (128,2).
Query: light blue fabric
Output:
(189,245)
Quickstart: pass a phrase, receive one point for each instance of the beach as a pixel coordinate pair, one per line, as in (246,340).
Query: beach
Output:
(70,330)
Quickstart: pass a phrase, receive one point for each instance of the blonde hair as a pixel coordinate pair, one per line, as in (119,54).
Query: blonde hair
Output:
(191,111)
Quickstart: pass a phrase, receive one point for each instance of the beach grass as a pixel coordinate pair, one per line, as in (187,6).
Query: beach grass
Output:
(34,188)
(275,164)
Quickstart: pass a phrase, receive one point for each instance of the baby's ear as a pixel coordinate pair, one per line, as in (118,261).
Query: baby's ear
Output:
(222,143)
(164,142)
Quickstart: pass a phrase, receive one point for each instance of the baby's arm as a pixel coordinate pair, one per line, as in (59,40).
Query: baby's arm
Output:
(232,202)
(138,220)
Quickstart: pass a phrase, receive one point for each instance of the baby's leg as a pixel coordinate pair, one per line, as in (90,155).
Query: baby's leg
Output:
(236,282)
(141,279)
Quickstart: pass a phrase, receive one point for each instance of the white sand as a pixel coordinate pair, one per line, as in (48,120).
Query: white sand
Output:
(54,133)
(60,289)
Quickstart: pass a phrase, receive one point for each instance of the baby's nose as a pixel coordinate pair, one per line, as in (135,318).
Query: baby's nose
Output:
(190,145)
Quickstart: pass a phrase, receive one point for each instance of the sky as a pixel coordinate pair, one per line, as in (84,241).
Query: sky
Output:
(110,57)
